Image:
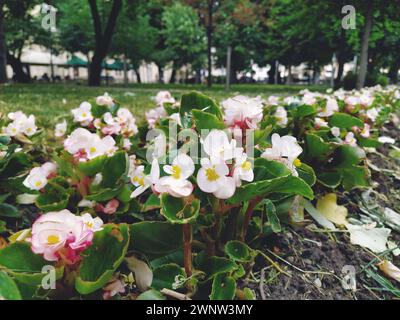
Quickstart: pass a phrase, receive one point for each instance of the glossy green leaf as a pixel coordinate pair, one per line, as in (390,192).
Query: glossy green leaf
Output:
(102,258)
(24,265)
(177,210)
(9,211)
(8,288)
(223,288)
(345,121)
(164,276)
(273,219)
(151,295)
(238,251)
(206,120)
(156,238)
(214,265)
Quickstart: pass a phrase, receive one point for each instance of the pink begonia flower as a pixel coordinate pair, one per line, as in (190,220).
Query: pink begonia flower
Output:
(61,234)
(164,97)
(110,208)
(243,112)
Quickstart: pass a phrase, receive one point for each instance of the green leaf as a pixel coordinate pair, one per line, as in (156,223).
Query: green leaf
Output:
(205,120)
(268,169)
(317,148)
(199,101)
(54,198)
(104,194)
(98,111)
(9,211)
(272,216)
(164,276)
(304,111)
(223,288)
(114,169)
(152,202)
(345,121)
(151,295)
(215,265)
(306,173)
(354,176)
(286,185)
(347,156)
(177,210)
(8,288)
(330,179)
(24,265)
(156,238)
(102,258)
(368,142)
(93,166)
(238,251)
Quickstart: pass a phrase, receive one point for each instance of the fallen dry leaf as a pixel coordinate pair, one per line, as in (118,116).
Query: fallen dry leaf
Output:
(329,208)
(368,236)
(390,270)
(143,274)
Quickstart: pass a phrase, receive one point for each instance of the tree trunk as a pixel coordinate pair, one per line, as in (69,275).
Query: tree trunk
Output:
(271,72)
(103,40)
(126,79)
(3,51)
(173,74)
(364,48)
(209,41)
(289,78)
(394,71)
(160,74)
(139,79)
(341,62)
(18,69)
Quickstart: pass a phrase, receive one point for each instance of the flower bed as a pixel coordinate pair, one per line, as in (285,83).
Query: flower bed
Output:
(181,205)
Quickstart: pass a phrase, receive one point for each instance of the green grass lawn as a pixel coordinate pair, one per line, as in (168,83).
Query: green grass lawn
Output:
(46,101)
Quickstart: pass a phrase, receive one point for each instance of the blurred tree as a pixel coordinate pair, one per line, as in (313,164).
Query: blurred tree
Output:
(184,37)
(3,50)
(134,39)
(239,24)
(102,36)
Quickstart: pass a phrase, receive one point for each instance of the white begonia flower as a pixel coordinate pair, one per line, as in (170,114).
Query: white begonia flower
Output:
(11,130)
(284,149)
(372,114)
(83,114)
(153,115)
(176,184)
(243,170)
(94,224)
(84,203)
(164,97)
(350,139)
(61,129)
(335,132)
(176,117)
(365,132)
(352,100)
(143,181)
(77,140)
(218,147)
(330,108)
(105,100)
(291,100)
(309,98)
(37,177)
(243,112)
(213,178)
(281,116)
(16,115)
(320,123)
(366,99)
(28,127)
(273,100)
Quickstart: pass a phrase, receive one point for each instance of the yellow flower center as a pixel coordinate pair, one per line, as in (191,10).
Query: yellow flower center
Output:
(176,171)
(211,174)
(38,183)
(84,114)
(297,163)
(246,165)
(53,239)
(139,180)
(89,224)
(93,149)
